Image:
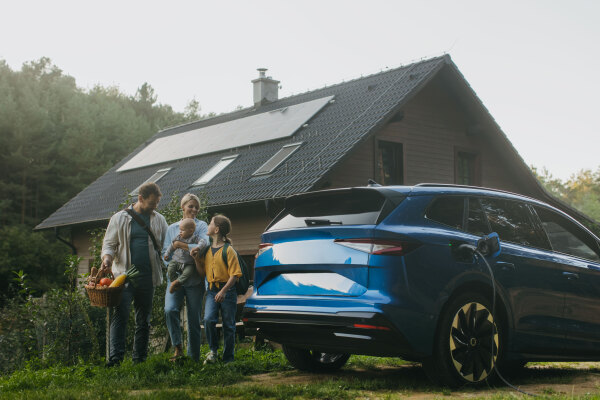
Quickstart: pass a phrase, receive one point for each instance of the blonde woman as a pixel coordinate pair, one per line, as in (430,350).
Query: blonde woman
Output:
(193,288)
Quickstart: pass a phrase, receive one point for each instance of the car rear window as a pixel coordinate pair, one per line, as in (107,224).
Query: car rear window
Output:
(331,209)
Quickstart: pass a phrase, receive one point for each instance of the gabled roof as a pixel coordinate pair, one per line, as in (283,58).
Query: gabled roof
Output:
(358,108)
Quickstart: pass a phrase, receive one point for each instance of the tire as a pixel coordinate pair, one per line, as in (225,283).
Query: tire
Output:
(466,338)
(314,361)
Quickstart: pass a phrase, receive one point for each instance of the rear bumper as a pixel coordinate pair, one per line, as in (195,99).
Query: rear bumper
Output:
(349,332)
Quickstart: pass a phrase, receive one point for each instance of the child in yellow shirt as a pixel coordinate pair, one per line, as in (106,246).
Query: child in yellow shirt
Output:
(221,295)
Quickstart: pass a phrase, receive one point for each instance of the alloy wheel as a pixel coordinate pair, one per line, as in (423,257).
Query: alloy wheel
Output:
(473,342)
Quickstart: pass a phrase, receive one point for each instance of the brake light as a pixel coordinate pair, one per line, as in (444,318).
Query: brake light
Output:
(262,248)
(379,246)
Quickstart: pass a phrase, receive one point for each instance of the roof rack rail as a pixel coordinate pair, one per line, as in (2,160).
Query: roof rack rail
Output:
(466,187)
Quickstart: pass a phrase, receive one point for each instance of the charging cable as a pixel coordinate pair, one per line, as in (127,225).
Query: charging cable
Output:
(493,279)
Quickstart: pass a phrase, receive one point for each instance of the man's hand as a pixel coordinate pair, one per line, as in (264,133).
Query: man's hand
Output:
(107,263)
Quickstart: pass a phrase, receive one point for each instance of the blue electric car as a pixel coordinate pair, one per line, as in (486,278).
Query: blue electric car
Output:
(385,271)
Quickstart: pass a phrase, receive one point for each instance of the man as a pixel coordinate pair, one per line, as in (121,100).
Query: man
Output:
(128,243)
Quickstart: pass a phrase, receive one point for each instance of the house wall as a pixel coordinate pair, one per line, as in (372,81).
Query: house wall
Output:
(433,128)
(81,239)
(248,223)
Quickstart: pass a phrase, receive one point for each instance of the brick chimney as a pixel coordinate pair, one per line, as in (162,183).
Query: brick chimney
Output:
(265,88)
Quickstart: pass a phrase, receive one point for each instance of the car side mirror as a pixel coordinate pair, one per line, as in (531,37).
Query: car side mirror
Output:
(489,245)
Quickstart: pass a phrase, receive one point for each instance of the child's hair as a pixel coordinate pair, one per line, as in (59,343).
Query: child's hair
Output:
(224,225)
(187,223)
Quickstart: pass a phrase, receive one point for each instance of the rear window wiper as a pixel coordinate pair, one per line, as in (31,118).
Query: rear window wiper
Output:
(313,222)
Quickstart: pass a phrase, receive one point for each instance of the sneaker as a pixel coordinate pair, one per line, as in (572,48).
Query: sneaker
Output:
(211,357)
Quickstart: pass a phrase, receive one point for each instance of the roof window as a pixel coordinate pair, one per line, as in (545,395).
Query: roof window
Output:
(214,171)
(277,159)
(154,178)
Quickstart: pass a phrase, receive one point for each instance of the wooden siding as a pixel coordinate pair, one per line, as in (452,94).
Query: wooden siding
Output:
(433,128)
(81,239)
(248,223)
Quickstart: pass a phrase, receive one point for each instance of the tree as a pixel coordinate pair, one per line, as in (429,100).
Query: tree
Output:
(55,139)
(581,191)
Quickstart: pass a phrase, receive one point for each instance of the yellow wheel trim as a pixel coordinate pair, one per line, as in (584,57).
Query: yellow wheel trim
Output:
(458,365)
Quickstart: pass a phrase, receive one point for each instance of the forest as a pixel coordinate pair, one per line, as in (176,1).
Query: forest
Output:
(56,138)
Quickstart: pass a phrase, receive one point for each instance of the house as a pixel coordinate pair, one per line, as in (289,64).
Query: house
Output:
(417,123)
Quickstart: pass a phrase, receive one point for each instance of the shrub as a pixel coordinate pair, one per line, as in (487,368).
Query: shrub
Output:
(59,327)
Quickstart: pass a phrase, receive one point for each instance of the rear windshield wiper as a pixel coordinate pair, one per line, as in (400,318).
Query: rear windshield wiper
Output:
(313,222)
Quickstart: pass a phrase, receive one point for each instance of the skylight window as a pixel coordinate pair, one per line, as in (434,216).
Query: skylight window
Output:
(154,178)
(214,171)
(277,159)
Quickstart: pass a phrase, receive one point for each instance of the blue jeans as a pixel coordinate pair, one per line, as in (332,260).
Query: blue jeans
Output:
(173,304)
(211,317)
(141,296)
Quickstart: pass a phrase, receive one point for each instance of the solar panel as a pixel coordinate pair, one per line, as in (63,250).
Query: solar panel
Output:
(257,128)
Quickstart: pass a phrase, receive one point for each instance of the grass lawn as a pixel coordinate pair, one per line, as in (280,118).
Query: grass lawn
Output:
(266,375)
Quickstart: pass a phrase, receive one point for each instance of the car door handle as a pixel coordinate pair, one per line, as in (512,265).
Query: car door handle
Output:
(505,266)
(570,275)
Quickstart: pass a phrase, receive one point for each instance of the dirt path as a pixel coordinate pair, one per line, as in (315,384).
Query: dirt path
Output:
(570,379)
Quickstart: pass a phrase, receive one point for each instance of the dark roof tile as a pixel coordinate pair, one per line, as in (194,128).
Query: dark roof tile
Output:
(359,106)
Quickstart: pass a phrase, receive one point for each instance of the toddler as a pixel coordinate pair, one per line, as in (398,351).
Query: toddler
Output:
(181,260)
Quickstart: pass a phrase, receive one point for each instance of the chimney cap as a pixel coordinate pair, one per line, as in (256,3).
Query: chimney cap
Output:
(262,72)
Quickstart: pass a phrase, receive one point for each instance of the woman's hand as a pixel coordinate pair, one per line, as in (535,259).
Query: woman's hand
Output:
(195,252)
(219,297)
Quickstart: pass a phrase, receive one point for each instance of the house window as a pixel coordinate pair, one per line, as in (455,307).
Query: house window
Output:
(466,168)
(154,178)
(214,171)
(389,163)
(277,159)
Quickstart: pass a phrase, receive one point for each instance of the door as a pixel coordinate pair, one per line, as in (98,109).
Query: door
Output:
(576,253)
(534,283)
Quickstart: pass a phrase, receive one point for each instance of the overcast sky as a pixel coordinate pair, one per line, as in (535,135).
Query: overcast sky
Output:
(534,64)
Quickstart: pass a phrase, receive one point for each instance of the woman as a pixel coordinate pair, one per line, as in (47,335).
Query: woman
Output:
(192,290)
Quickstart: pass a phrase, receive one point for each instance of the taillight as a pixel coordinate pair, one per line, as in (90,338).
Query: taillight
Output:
(379,246)
(263,247)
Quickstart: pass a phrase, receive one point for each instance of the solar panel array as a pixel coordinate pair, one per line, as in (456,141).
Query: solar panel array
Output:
(241,132)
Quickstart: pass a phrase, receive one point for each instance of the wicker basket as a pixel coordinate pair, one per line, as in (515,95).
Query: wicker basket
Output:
(103,296)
